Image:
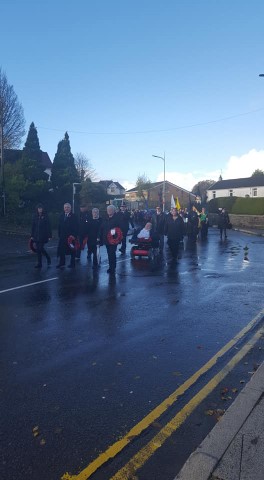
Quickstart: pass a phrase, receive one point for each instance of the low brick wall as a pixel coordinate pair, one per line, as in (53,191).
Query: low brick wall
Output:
(250,221)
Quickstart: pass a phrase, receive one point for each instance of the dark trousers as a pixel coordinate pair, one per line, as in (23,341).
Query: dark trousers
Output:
(223,229)
(174,246)
(111,252)
(161,242)
(92,249)
(78,252)
(62,258)
(123,243)
(41,251)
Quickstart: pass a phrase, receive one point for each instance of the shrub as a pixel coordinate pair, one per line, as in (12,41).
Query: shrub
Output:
(237,205)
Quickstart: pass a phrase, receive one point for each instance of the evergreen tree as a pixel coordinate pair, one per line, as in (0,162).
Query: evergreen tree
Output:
(33,169)
(64,172)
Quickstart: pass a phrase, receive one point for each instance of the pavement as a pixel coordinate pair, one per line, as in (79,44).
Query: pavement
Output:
(233,450)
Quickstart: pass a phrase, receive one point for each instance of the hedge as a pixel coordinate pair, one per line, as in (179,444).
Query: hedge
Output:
(237,205)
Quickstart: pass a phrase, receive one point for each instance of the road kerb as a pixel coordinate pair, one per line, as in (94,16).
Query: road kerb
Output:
(201,464)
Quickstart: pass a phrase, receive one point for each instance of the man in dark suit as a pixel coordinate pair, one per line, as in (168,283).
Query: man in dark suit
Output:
(68,225)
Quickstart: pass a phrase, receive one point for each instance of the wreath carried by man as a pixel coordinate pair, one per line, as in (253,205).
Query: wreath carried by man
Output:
(114,236)
(73,243)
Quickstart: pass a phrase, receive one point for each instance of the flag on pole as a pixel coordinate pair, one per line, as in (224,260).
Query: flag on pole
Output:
(172,202)
(178,204)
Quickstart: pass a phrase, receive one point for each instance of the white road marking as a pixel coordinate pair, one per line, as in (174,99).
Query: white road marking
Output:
(28,285)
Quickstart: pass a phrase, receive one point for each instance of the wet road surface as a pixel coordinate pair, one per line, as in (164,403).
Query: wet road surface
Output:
(85,357)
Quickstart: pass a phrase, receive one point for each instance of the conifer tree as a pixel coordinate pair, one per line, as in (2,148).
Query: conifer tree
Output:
(33,169)
(64,172)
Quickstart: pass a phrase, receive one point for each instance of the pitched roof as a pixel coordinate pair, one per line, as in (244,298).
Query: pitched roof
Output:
(160,184)
(254,181)
(13,156)
(106,184)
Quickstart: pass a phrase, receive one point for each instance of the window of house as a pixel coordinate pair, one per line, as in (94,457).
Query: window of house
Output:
(230,193)
(254,192)
(112,189)
(214,194)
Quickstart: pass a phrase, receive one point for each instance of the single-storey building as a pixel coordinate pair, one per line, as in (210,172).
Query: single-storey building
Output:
(237,187)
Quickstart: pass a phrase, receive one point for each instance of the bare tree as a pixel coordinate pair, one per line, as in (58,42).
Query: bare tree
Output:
(12,119)
(142,185)
(84,167)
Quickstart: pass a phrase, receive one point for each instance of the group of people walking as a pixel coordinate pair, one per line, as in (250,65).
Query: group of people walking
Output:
(74,232)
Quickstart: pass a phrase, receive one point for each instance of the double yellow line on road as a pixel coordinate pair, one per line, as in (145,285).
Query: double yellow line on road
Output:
(146,452)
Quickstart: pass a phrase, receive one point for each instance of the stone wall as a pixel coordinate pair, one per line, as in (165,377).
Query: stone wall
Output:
(250,221)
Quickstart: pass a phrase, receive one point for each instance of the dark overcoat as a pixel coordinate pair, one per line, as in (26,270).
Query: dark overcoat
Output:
(68,225)
(40,229)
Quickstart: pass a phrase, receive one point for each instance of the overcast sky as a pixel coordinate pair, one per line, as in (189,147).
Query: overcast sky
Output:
(128,79)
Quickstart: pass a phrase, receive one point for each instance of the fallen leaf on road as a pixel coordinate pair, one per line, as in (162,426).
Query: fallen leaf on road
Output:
(35,431)
(224,390)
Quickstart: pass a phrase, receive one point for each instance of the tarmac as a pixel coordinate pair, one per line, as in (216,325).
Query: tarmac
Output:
(234,449)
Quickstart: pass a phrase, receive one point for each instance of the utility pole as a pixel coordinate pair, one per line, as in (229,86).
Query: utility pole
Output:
(164,181)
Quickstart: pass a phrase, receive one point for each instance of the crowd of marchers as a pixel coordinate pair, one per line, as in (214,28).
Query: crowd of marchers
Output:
(75,231)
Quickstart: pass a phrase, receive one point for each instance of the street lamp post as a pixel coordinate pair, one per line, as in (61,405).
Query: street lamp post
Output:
(163,189)
(73,194)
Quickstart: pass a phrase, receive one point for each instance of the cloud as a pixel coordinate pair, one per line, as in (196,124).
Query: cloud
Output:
(235,167)
(127,184)
(244,166)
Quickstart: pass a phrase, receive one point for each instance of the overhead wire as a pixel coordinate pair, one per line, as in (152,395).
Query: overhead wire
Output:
(143,132)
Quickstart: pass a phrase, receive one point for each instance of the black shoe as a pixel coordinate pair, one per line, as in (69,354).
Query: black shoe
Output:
(60,265)
(38,266)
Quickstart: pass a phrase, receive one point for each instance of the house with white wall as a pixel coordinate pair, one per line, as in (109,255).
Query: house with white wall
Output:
(112,188)
(237,187)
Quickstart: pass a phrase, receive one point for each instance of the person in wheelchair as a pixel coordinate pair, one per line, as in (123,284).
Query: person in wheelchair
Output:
(145,232)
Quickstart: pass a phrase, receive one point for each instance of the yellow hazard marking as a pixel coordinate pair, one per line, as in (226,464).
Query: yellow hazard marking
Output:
(136,462)
(117,447)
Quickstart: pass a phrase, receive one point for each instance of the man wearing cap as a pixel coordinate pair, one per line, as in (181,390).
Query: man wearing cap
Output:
(158,226)
(68,225)
(124,219)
